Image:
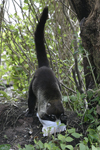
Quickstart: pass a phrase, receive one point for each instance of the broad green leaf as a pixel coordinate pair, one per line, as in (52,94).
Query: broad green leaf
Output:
(76,135)
(98,128)
(69,139)
(28,147)
(63,146)
(5,147)
(47,145)
(71,130)
(94,148)
(70,147)
(61,138)
(83,147)
(41,145)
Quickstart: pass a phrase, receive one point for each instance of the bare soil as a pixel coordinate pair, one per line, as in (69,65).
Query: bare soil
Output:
(16,128)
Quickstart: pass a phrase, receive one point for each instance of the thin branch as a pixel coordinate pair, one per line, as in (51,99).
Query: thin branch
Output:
(76,70)
(68,7)
(1,19)
(67,88)
(91,68)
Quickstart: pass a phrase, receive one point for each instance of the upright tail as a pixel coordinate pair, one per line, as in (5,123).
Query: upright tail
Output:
(39,40)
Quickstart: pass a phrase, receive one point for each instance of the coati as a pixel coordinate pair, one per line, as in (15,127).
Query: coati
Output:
(44,88)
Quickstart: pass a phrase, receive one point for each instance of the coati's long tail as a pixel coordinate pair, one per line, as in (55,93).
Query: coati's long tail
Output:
(39,40)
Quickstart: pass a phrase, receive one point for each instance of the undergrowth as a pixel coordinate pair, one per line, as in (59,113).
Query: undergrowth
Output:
(62,142)
(88,141)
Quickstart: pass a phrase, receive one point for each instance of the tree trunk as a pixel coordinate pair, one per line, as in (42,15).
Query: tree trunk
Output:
(88,14)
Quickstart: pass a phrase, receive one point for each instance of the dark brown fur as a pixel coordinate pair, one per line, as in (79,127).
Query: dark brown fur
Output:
(44,88)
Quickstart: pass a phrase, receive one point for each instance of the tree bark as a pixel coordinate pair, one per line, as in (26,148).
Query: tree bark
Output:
(88,14)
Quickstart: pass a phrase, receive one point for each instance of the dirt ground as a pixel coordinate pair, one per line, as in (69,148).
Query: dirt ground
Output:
(16,128)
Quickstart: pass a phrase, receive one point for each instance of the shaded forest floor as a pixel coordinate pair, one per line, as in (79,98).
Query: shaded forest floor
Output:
(16,129)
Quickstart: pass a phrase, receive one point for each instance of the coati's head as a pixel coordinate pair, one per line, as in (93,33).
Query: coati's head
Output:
(54,110)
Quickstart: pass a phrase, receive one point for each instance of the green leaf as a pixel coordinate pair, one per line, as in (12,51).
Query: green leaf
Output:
(46,145)
(69,147)
(61,138)
(63,146)
(25,7)
(86,139)
(69,139)
(94,148)
(83,147)
(19,146)
(4,94)
(41,145)
(5,147)
(28,147)
(15,87)
(51,146)
(48,55)
(71,130)
(25,1)
(98,128)
(76,135)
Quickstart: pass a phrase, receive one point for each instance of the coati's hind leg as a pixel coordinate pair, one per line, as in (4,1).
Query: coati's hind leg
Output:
(31,101)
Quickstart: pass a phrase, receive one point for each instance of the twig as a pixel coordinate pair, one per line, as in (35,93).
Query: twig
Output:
(68,8)
(76,70)
(91,68)
(68,88)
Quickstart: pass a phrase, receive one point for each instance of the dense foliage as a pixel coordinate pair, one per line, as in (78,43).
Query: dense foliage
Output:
(18,49)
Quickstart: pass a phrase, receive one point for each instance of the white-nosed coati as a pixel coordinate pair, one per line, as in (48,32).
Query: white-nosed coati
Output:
(44,88)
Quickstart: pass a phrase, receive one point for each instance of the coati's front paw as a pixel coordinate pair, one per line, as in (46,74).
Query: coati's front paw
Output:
(63,118)
(48,117)
(52,117)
